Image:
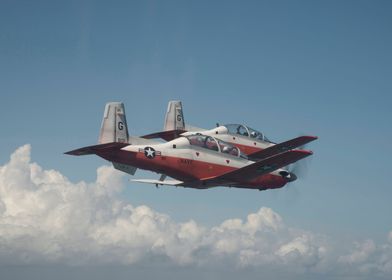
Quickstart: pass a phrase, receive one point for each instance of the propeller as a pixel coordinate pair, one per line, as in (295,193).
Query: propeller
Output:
(297,169)
(300,168)
(292,193)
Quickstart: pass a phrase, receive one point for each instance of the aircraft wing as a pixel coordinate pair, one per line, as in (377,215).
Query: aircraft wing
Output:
(166,135)
(89,150)
(282,147)
(259,168)
(158,182)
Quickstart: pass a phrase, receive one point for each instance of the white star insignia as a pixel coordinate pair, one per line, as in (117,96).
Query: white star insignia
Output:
(149,152)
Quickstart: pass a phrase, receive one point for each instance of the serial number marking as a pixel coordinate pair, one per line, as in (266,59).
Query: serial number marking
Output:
(185,161)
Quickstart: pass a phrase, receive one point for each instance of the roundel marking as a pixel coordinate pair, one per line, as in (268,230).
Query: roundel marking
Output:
(149,152)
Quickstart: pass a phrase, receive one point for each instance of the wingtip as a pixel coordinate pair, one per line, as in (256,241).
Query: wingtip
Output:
(304,152)
(311,137)
(71,153)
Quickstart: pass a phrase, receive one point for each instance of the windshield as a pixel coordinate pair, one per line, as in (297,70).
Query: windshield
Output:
(237,129)
(246,131)
(257,134)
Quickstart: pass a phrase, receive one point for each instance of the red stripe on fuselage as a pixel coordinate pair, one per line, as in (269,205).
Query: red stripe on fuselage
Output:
(189,169)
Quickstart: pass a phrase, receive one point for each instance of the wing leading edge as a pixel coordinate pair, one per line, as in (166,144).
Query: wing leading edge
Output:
(282,147)
(165,135)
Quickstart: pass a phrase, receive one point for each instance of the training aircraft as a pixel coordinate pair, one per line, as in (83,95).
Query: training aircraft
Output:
(196,161)
(251,142)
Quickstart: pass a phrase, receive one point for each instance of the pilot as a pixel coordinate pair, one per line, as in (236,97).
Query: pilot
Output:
(226,150)
(253,134)
(234,151)
(241,133)
(211,144)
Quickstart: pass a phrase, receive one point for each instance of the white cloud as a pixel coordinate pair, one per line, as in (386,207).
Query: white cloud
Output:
(45,218)
(367,258)
(361,253)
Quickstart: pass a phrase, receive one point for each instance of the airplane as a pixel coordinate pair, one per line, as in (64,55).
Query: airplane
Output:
(195,161)
(251,142)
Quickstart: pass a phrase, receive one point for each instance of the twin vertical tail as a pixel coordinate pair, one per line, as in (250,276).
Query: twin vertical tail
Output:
(114,126)
(113,135)
(174,119)
(174,123)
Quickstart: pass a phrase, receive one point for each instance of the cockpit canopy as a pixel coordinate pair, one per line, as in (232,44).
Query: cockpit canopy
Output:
(214,144)
(246,131)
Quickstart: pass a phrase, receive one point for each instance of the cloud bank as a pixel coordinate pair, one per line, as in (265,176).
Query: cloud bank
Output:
(46,219)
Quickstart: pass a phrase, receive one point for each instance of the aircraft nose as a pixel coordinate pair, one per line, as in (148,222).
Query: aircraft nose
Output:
(289,176)
(292,177)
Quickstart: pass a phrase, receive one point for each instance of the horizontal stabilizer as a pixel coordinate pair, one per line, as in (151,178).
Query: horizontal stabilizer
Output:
(282,147)
(158,182)
(89,150)
(166,135)
(125,168)
(133,140)
(193,128)
(261,167)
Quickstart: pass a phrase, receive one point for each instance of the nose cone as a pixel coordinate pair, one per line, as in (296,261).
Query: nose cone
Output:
(289,176)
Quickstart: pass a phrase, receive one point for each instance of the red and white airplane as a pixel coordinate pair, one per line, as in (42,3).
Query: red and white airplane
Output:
(251,142)
(196,161)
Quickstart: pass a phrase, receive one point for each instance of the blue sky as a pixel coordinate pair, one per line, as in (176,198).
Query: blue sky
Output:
(284,67)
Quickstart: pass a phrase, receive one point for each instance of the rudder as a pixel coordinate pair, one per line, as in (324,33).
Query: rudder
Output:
(174,119)
(114,124)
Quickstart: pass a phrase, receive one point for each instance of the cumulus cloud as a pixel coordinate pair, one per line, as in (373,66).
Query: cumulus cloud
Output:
(45,218)
(362,252)
(367,258)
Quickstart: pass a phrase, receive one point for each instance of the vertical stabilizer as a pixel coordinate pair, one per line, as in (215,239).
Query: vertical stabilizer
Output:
(174,119)
(114,124)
